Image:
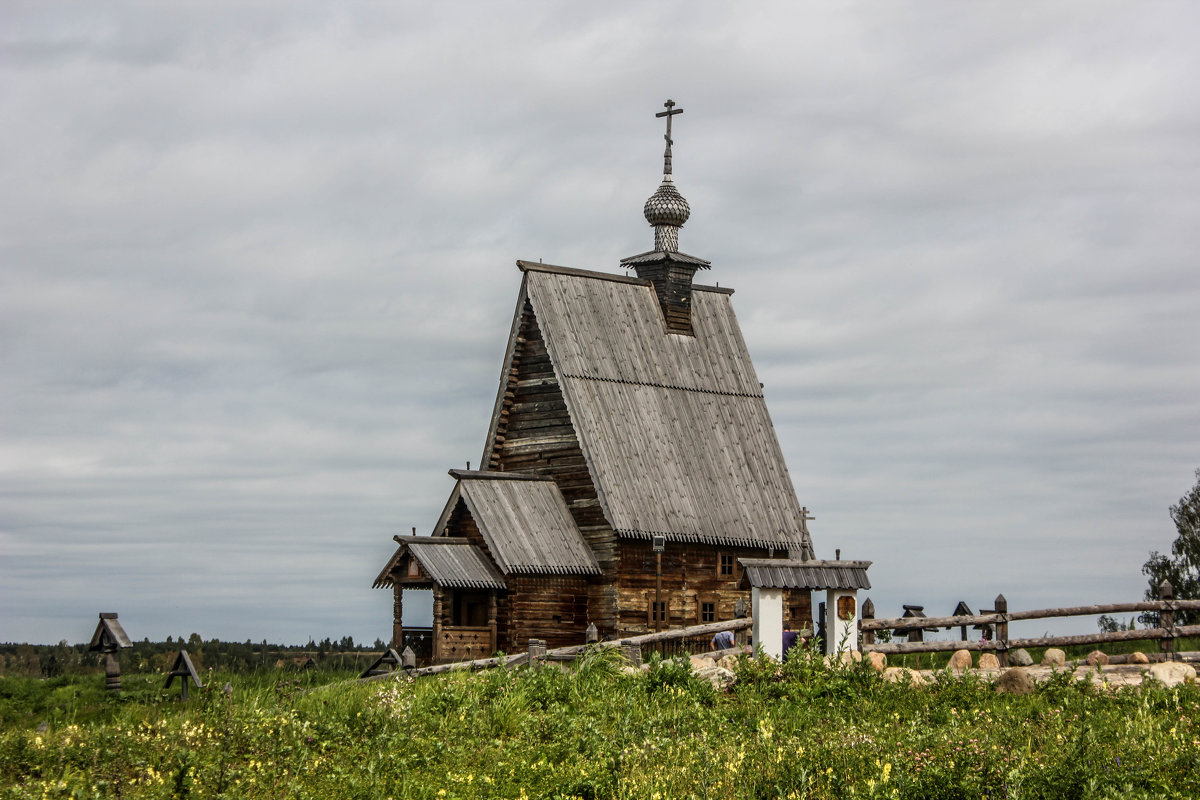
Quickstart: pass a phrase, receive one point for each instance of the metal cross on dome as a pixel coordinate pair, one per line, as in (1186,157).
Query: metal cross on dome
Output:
(670,112)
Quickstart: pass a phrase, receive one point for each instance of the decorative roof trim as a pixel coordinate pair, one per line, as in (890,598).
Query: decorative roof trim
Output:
(654,256)
(782,543)
(485,460)
(485,475)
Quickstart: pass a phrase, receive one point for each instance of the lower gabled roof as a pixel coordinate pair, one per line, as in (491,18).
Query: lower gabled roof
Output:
(525,522)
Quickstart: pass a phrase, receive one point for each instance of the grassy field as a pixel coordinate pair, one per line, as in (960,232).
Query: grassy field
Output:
(805,730)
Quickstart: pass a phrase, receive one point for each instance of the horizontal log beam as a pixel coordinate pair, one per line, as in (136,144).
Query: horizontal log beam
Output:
(908,623)
(1147,634)
(892,648)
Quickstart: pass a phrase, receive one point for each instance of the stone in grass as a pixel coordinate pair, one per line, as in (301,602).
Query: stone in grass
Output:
(878,661)
(1014,681)
(903,675)
(720,678)
(1138,657)
(1053,657)
(960,661)
(1020,658)
(1097,658)
(1172,673)
(988,661)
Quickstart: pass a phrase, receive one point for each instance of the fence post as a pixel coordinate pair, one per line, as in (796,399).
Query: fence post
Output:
(868,613)
(1002,630)
(1166,620)
(537,651)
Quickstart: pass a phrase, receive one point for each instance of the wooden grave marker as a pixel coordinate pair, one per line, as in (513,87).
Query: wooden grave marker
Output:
(183,669)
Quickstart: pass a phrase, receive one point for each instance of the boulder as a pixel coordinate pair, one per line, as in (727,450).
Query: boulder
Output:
(960,661)
(720,678)
(1097,658)
(1053,657)
(1138,657)
(700,662)
(1020,658)
(988,661)
(1014,681)
(1172,673)
(903,675)
(878,661)
(631,670)
(850,656)
(727,662)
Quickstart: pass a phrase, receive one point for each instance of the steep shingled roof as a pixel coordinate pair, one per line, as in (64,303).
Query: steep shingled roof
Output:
(674,428)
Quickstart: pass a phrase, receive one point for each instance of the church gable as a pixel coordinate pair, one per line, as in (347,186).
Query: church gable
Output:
(532,432)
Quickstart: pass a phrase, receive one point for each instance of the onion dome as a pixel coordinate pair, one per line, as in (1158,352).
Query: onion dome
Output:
(667,206)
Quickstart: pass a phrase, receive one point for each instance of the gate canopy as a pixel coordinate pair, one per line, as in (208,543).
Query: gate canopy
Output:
(779,573)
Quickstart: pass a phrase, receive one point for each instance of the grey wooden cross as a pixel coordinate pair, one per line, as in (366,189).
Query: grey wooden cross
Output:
(670,112)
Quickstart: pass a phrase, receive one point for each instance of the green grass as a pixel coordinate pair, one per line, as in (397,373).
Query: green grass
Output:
(804,730)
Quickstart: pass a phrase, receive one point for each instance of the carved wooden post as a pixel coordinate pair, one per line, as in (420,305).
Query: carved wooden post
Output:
(591,635)
(868,613)
(537,650)
(112,672)
(397,614)
(1166,644)
(633,652)
(1002,630)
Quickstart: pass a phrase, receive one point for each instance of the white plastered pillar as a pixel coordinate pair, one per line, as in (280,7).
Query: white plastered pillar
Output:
(841,620)
(766,606)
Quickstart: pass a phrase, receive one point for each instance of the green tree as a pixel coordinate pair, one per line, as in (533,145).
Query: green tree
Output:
(1182,566)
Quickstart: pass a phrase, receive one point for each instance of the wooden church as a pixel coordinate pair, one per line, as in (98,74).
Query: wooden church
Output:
(628,416)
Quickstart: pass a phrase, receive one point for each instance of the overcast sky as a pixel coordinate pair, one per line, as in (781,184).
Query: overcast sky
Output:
(257,273)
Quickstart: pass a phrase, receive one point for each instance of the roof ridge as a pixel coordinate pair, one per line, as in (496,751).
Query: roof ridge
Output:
(529,266)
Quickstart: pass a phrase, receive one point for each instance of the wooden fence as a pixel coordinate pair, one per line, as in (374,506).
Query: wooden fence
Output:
(674,639)
(1166,633)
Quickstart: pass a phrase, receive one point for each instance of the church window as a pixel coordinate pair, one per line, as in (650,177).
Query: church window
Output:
(708,612)
(726,563)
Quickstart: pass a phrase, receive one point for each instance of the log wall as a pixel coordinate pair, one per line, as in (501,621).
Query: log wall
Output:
(690,577)
(535,434)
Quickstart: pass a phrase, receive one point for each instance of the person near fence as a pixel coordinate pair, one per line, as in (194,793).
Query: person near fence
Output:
(790,638)
(723,640)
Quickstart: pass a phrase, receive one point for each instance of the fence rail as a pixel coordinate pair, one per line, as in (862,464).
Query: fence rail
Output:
(699,634)
(1165,634)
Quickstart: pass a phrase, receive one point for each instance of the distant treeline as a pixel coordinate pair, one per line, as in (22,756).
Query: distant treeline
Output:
(50,660)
